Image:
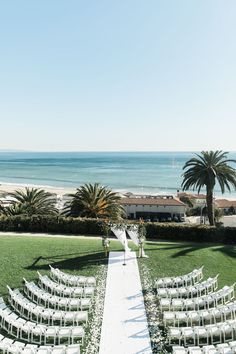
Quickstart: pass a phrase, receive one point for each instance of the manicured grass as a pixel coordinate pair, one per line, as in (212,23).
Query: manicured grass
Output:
(172,258)
(24,256)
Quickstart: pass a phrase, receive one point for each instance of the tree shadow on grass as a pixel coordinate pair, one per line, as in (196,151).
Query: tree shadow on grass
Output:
(186,249)
(59,261)
(228,250)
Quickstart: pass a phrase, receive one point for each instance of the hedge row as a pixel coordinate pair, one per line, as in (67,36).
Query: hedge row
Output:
(198,233)
(51,224)
(82,226)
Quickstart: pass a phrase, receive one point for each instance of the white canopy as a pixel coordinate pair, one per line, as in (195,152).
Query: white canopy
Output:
(121,235)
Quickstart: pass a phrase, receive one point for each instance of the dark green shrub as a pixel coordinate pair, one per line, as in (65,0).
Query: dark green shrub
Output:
(50,224)
(183,232)
(83,226)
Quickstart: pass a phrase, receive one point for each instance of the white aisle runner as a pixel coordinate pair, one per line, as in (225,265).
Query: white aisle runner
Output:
(124,327)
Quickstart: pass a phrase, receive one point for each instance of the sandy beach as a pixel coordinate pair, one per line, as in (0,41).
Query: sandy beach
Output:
(10,187)
(60,191)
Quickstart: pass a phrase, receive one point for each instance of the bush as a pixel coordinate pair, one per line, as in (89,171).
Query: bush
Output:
(50,224)
(183,232)
(83,226)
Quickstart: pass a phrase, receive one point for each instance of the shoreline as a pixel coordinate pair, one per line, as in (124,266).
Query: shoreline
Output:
(12,187)
(9,187)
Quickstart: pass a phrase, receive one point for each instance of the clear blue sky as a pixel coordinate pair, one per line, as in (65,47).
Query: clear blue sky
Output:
(118,75)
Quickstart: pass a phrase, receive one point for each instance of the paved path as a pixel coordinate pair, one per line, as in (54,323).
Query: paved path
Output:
(124,327)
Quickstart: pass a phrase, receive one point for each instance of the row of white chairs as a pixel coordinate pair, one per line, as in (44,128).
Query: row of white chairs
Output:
(220,297)
(214,333)
(183,280)
(222,348)
(71,280)
(62,290)
(44,326)
(189,318)
(38,333)
(41,297)
(8,345)
(199,289)
(40,314)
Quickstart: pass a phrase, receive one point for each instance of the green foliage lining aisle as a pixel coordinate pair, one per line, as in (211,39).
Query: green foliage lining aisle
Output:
(94,325)
(204,171)
(152,310)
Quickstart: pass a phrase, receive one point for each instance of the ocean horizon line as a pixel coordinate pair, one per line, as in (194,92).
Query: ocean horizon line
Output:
(107,151)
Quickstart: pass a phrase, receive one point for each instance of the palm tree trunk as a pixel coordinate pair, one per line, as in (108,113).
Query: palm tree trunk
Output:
(210,209)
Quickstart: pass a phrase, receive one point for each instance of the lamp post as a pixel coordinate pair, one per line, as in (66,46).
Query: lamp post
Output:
(124,264)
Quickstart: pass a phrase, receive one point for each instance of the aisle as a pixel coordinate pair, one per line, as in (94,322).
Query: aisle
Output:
(124,327)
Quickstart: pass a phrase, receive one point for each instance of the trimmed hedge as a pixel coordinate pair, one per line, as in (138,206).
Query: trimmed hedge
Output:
(183,232)
(83,226)
(50,224)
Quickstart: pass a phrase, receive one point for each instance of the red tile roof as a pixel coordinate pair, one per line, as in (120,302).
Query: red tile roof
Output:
(170,201)
(225,203)
(190,195)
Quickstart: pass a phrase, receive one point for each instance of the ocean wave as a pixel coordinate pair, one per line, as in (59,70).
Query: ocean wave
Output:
(39,179)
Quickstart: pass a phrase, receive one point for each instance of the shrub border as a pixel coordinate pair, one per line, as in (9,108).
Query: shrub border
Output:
(84,226)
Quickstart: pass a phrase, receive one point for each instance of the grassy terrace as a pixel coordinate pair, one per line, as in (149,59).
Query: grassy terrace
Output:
(23,256)
(172,258)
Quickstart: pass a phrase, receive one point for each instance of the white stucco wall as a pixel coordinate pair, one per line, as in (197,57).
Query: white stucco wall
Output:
(132,209)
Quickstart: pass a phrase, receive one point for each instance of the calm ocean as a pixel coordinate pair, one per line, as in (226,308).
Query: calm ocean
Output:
(147,172)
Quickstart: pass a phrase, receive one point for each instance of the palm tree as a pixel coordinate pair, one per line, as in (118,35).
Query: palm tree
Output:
(94,201)
(207,169)
(31,201)
(11,210)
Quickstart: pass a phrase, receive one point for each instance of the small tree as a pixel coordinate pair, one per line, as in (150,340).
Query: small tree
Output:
(29,201)
(187,200)
(141,237)
(105,240)
(218,214)
(94,201)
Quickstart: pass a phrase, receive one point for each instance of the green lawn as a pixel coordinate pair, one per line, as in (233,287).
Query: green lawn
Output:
(176,258)
(24,256)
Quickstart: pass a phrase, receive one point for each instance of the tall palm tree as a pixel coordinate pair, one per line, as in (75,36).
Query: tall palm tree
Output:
(204,171)
(30,201)
(94,201)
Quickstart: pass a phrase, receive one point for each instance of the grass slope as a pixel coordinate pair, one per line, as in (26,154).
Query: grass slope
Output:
(24,256)
(172,258)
